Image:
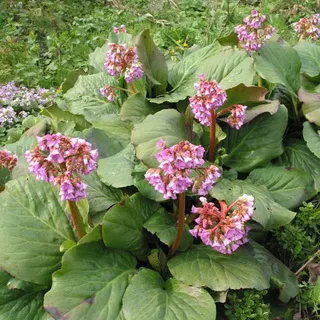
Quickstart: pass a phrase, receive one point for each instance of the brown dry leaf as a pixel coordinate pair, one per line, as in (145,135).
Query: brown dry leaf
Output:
(314,271)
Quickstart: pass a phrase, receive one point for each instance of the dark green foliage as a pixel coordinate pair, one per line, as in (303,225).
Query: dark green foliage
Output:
(247,304)
(297,241)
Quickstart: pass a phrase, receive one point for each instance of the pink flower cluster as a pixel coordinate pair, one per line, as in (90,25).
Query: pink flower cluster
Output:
(252,33)
(223,229)
(175,165)
(59,159)
(108,92)
(121,29)
(7,159)
(308,27)
(237,116)
(123,60)
(209,96)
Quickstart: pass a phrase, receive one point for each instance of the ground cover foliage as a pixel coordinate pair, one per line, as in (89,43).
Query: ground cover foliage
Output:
(124,267)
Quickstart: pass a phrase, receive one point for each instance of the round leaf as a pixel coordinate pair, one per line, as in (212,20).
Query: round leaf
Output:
(149,297)
(33,225)
(289,187)
(201,266)
(166,124)
(90,284)
(257,142)
(164,225)
(309,54)
(122,226)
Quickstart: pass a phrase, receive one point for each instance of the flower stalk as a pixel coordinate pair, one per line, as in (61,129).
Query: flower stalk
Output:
(77,219)
(181,218)
(212,136)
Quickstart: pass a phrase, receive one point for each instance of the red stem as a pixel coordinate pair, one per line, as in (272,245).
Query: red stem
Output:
(212,136)
(181,217)
(77,221)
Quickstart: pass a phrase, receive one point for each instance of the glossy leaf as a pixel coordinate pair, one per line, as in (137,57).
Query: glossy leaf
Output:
(154,62)
(33,225)
(122,226)
(164,226)
(281,276)
(19,304)
(149,297)
(309,54)
(92,276)
(166,124)
(310,106)
(230,67)
(116,171)
(277,62)
(257,142)
(201,266)
(289,187)
(297,155)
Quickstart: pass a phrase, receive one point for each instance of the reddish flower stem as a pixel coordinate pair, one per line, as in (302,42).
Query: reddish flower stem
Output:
(132,87)
(212,136)
(181,217)
(76,219)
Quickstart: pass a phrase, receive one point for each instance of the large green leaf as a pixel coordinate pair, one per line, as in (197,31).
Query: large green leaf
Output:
(33,225)
(90,284)
(19,304)
(116,171)
(267,212)
(97,58)
(154,62)
(164,225)
(277,62)
(100,196)
(230,67)
(85,98)
(281,276)
(201,266)
(104,141)
(117,130)
(309,54)
(297,155)
(136,108)
(149,297)
(257,142)
(166,124)
(312,139)
(123,224)
(289,187)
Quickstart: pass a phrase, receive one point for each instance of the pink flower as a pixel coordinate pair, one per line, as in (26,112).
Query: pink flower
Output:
(308,27)
(209,96)
(175,165)
(60,159)
(223,229)
(108,92)
(7,159)
(122,60)
(252,33)
(237,116)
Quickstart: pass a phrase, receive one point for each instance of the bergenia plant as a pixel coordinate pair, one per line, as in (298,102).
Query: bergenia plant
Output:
(173,176)
(223,228)
(206,105)
(7,159)
(60,160)
(254,32)
(308,28)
